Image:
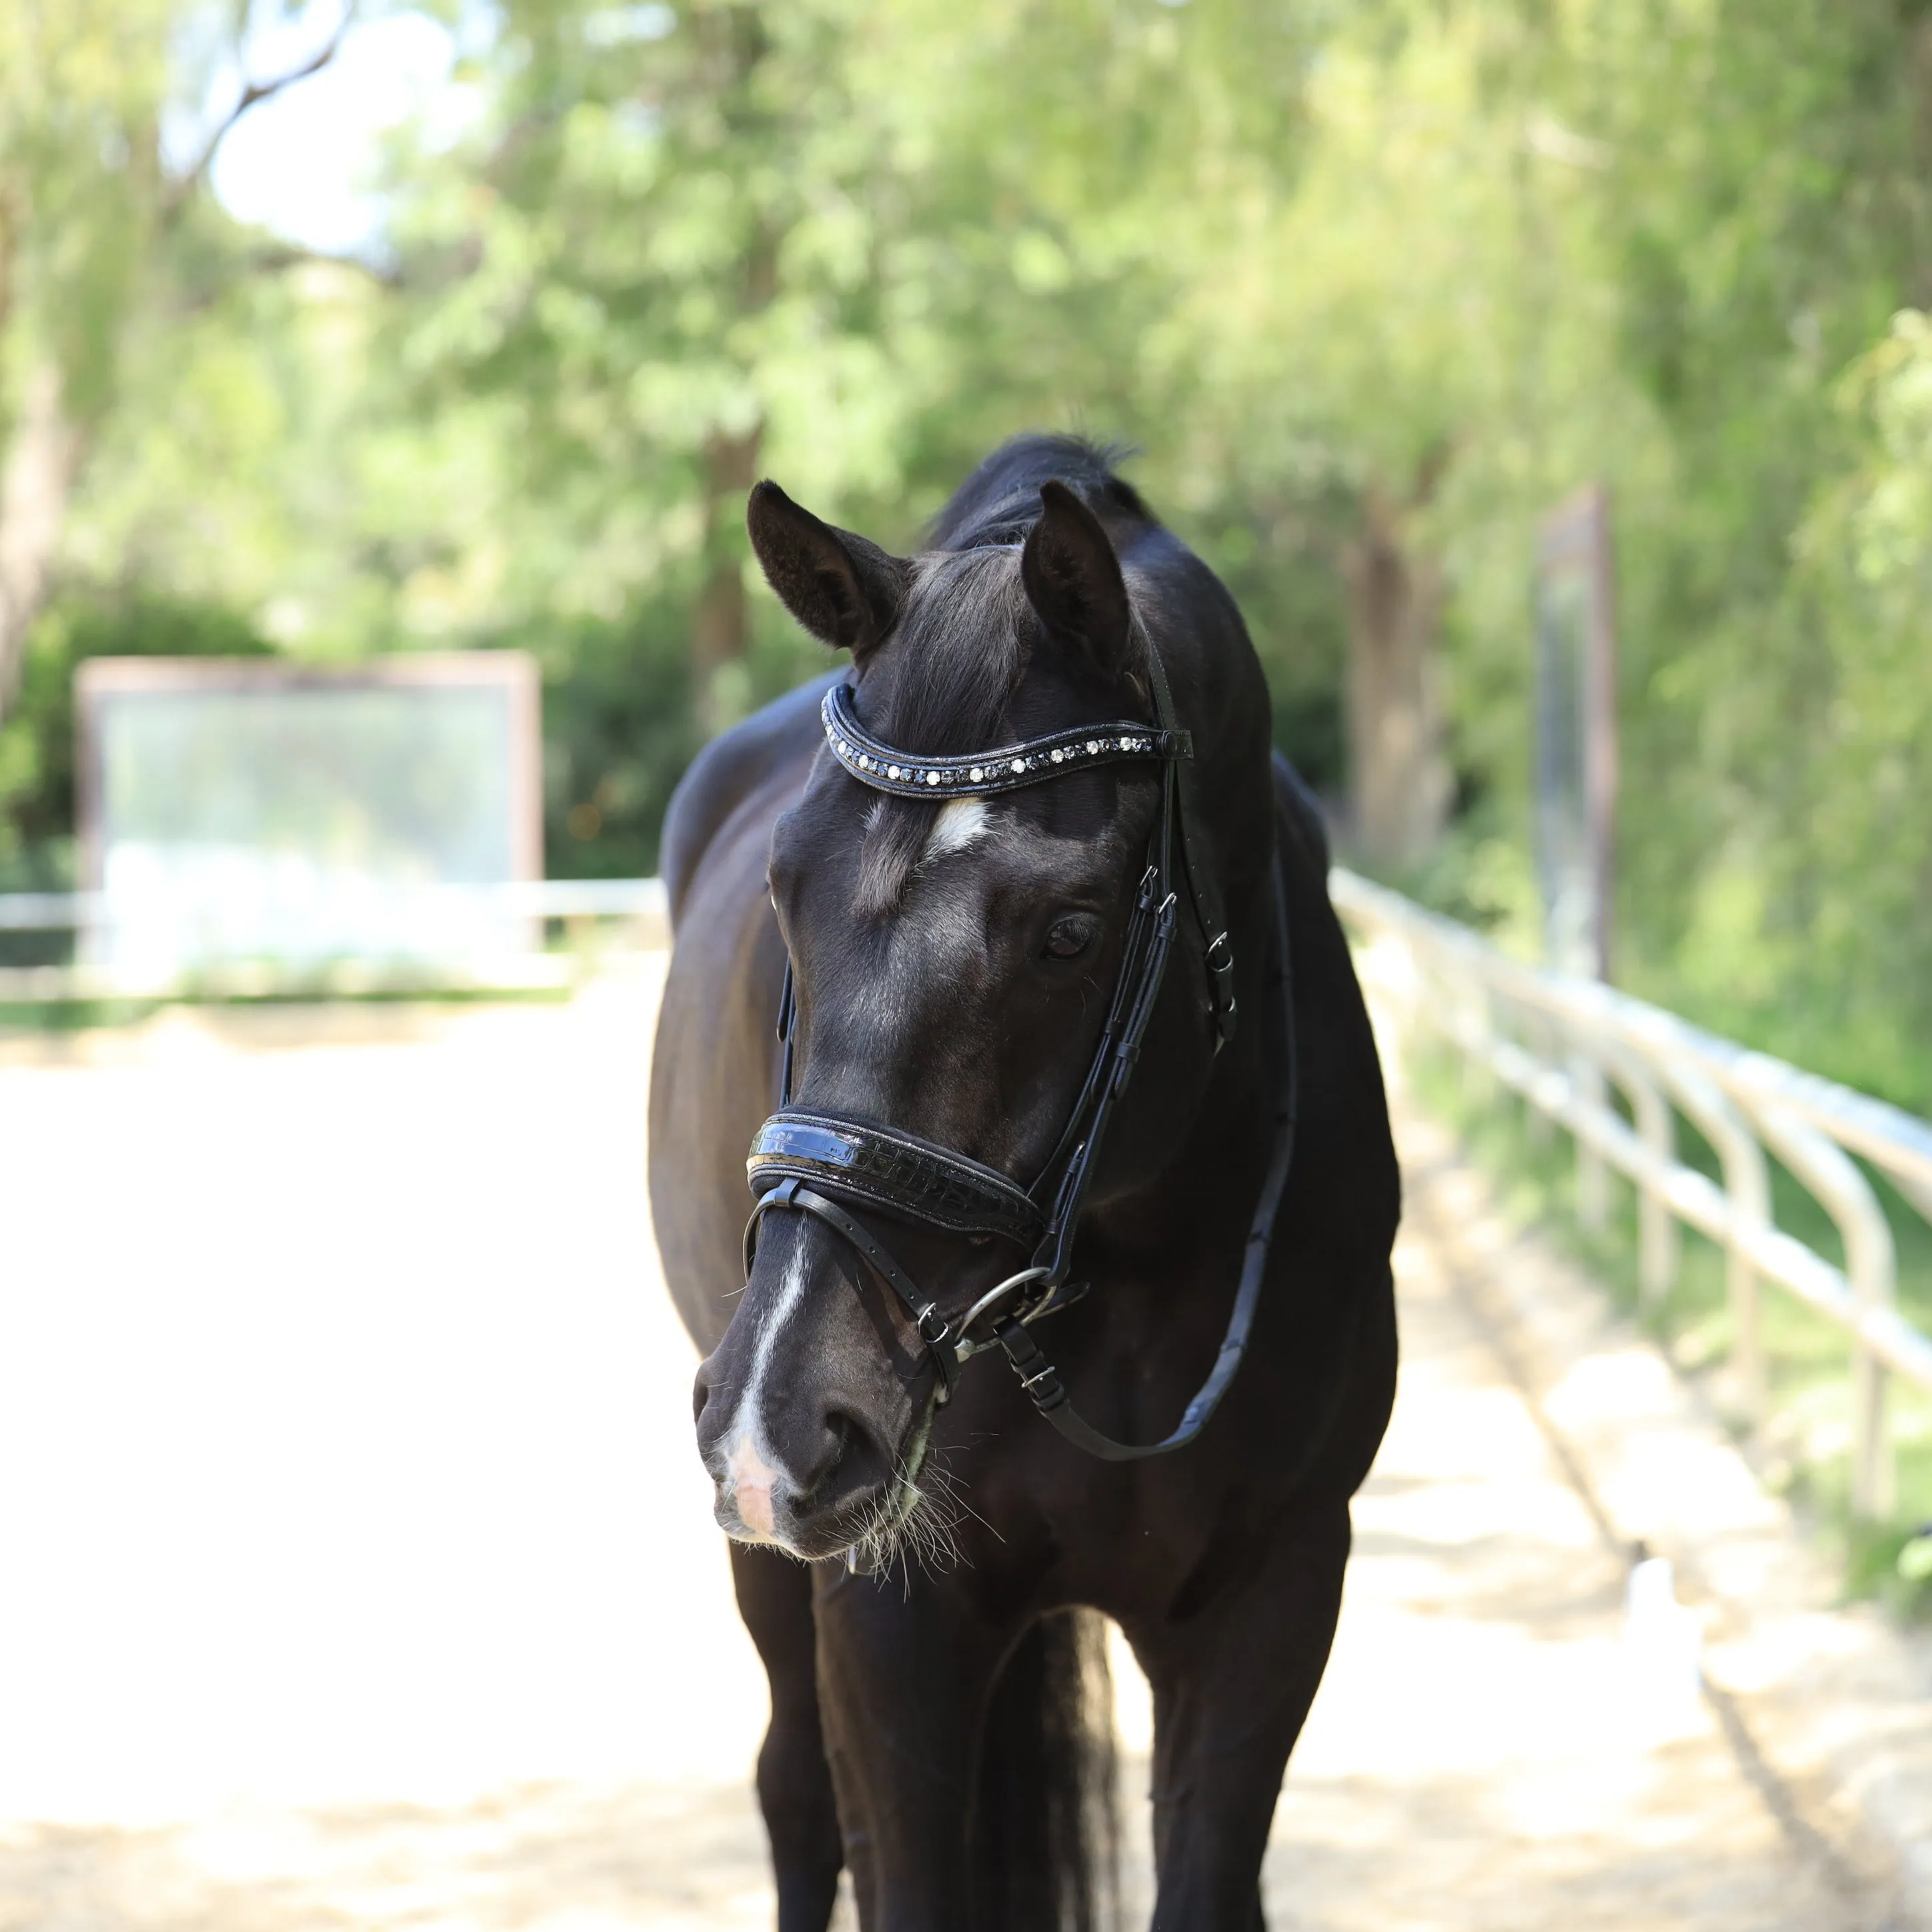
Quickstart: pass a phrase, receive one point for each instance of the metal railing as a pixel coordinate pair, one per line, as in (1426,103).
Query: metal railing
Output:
(430,937)
(1564,1043)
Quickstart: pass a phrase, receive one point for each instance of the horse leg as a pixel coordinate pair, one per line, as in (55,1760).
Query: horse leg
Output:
(905,1678)
(794,1781)
(1232,1681)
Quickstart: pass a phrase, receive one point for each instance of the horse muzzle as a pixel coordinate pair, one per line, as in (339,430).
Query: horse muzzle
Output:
(811,1412)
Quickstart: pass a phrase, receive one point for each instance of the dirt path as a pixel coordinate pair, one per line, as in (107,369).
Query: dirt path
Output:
(357,1570)
(1484,1753)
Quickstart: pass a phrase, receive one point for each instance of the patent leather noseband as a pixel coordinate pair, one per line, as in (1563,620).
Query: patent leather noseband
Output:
(828,1165)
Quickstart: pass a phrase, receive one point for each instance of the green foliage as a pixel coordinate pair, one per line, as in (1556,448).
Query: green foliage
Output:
(268,455)
(1761,215)
(853,247)
(1447,261)
(620,724)
(1846,869)
(82,85)
(619,727)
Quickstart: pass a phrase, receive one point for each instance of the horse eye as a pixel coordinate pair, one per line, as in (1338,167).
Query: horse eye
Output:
(1068,938)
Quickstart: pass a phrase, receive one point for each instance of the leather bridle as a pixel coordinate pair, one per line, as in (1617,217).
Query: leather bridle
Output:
(826,1164)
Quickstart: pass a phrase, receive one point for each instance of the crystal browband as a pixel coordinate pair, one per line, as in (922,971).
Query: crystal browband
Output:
(979,774)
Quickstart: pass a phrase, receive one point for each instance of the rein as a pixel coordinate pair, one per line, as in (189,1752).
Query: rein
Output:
(824,1164)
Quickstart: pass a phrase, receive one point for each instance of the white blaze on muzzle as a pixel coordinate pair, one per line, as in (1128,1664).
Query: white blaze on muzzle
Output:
(753,1479)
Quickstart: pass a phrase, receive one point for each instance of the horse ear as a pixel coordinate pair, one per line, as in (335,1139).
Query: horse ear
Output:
(1073,579)
(846,592)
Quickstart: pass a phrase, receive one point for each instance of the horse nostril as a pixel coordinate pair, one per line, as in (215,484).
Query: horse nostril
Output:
(837,1431)
(700,1394)
(848,1447)
(834,1441)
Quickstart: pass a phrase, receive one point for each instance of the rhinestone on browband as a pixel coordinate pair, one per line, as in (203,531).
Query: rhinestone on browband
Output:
(978,774)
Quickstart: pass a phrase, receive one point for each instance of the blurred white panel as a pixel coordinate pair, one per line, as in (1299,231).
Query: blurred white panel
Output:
(252,809)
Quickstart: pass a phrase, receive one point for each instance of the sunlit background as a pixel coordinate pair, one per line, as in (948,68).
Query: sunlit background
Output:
(476,338)
(380,387)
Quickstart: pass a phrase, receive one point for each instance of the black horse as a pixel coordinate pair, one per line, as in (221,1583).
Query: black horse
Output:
(972,976)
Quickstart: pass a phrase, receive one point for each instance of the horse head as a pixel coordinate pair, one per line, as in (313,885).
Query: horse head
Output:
(956,960)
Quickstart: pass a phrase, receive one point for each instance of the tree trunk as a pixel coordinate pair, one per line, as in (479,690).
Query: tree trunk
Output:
(734,42)
(719,629)
(1399,776)
(34,490)
(720,624)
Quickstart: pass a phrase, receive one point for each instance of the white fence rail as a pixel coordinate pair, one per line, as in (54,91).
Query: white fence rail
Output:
(401,942)
(1564,1043)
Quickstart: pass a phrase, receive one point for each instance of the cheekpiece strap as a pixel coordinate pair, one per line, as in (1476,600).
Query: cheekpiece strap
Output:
(981,774)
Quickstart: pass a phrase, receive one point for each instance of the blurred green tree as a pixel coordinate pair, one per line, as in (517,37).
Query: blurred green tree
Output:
(101,241)
(1372,287)
(853,245)
(1755,211)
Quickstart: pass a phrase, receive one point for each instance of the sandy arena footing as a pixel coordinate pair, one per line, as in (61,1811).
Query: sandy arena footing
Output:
(359,1573)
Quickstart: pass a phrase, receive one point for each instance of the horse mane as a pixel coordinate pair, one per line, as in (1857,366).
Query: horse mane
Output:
(1000,501)
(967,631)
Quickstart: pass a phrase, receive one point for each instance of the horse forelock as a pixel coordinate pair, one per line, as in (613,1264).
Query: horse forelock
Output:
(945,680)
(942,684)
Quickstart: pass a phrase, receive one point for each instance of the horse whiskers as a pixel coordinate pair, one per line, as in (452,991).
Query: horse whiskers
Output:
(908,1521)
(952,1487)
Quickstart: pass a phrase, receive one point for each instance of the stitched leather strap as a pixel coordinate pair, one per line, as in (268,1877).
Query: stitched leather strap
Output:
(893,1169)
